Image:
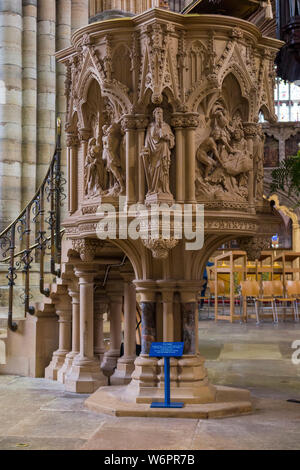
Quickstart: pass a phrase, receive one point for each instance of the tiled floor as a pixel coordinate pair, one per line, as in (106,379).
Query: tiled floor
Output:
(38,414)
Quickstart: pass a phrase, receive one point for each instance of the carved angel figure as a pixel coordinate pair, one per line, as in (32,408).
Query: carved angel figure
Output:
(93,169)
(111,144)
(157,154)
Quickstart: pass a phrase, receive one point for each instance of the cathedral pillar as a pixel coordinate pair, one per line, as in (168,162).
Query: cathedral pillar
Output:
(29,110)
(85,375)
(72,144)
(64,312)
(191,123)
(46,85)
(10,110)
(80,14)
(115,295)
(125,365)
(63,39)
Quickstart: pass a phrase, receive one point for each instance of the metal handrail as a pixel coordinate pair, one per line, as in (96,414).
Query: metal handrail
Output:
(35,215)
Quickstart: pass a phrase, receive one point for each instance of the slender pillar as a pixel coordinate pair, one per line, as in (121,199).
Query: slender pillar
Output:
(178,123)
(46,85)
(125,365)
(85,375)
(250,134)
(72,144)
(190,158)
(80,14)
(115,317)
(64,312)
(141,124)
(129,126)
(29,109)
(101,307)
(10,110)
(74,294)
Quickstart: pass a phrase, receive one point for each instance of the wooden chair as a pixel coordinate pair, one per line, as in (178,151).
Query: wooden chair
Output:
(250,290)
(293,292)
(268,297)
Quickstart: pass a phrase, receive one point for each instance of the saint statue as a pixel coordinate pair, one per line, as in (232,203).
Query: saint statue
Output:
(93,170)
(111,146)
(157,155)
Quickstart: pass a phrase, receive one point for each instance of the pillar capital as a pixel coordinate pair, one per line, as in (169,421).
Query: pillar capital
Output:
(72,140)
(147,290)
(85,273)
(189,290)
(167,289)
(87,248)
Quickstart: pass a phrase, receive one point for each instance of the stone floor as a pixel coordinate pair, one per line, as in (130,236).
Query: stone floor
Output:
(38,414)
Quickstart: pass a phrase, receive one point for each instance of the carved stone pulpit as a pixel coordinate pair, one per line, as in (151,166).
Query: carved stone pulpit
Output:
(163,110)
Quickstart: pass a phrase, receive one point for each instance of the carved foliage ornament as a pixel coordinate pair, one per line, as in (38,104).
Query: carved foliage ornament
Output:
(160,247)
(86,248)
(254,246)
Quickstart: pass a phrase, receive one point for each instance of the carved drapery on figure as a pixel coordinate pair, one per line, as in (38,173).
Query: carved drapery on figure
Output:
(94,170)
(157,158)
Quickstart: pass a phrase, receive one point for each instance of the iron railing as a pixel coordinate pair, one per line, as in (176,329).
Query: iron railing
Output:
(36,230)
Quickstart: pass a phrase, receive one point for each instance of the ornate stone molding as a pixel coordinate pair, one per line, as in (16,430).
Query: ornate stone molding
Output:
(254,246)
(72,140)
(86,247)
(160,247)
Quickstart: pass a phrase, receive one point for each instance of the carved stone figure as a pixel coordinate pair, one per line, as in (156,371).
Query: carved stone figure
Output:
(157,156)
(93,170)
(225,158)
(111,145)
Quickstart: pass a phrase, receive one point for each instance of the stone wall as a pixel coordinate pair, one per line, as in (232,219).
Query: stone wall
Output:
(32,89)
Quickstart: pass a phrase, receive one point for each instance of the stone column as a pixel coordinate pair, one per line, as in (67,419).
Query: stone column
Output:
(101,307)
(29,109)
(115,295)
(46,85)
(145,375)
(125,365)
(10,110)
(80,14)
(141,124)
(129,126)
(191,123)
(63,40)
(85,375)
(250,133)
(167,293)
(64,312)
(178,123)
(72,144)
(192,375)
(63,372)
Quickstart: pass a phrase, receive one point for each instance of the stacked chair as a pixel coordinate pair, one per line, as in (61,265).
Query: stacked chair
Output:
(272,294)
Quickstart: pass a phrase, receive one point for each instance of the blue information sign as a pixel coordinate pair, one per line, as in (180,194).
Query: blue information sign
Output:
(167,350)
